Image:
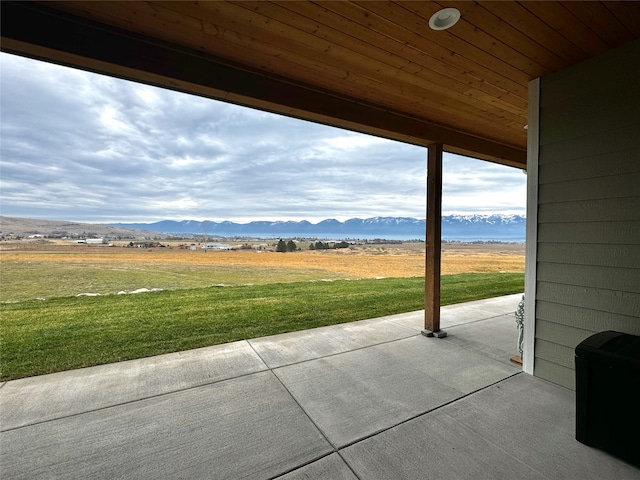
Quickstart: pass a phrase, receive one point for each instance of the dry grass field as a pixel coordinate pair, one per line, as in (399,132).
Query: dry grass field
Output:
(361,261)
(43,269)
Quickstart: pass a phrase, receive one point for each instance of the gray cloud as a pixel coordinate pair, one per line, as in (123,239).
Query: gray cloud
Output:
(84,147)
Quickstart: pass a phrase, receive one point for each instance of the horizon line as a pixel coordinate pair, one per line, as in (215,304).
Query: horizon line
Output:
(242,221)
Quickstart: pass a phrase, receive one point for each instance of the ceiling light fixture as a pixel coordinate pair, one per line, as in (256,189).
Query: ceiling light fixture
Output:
(445,18)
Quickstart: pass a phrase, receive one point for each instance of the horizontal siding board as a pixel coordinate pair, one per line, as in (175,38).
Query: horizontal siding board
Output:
(596,68)
(597,94)
(578,122)
(614,88)
(622,303)
(611,233)
(555,353)
(554,373)
(604,210)
(598,166)
(582,318)
(561,334)
(612,186)
(625,256)
(604,142)
(588,256)
(620,279)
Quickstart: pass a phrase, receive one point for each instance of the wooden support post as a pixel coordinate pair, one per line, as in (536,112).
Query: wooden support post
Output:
(434,243)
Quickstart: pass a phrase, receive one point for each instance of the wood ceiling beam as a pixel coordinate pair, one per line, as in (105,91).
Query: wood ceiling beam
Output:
(43,33)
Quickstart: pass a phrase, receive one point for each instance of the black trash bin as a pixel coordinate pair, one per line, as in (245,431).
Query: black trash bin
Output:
(608,394)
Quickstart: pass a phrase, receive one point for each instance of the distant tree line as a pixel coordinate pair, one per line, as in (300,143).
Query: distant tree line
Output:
(290,246)
(327,246)
(283,246)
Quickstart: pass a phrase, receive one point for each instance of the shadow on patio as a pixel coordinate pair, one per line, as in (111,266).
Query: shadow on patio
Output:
(371,400)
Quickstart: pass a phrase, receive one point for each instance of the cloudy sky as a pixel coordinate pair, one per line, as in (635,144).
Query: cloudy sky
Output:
(89,148)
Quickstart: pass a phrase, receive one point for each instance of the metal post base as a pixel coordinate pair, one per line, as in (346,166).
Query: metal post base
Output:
(438,334)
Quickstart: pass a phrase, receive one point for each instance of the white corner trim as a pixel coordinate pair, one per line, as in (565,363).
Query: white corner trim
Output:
(530,276)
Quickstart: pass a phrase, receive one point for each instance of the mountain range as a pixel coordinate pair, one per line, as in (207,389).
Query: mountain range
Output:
(454,227)
(22,227)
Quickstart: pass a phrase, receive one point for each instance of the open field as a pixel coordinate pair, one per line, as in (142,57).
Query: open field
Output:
(41,337)
(213,297)
(31,271)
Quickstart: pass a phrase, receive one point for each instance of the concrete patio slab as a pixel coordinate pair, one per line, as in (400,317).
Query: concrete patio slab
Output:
(521,427)
(463,313)
(495,338)
(246,427)
(458,315)
(331,467)
(505,304)
(295,347)
(534,421)
(412,320)
(356,394)
(45,397)
(408,407)
(433,446)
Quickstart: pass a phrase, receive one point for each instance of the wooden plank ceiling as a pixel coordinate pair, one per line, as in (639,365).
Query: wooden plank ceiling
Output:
(372,66)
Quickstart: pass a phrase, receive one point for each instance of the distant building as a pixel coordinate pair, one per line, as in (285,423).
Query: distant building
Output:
(216,246)
(144,245)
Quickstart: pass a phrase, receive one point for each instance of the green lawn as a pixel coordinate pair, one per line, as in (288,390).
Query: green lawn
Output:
(29,280)
(70,332)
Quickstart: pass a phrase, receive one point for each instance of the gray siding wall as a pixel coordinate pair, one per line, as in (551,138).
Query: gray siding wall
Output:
(588,257)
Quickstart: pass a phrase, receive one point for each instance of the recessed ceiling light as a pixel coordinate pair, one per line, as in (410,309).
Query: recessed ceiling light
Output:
(445,18)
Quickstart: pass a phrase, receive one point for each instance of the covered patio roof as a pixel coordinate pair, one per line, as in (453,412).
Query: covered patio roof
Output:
(373,67)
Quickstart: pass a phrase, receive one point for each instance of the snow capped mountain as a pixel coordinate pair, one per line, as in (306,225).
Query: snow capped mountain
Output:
(484,219)
(454,227)
(484,227)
